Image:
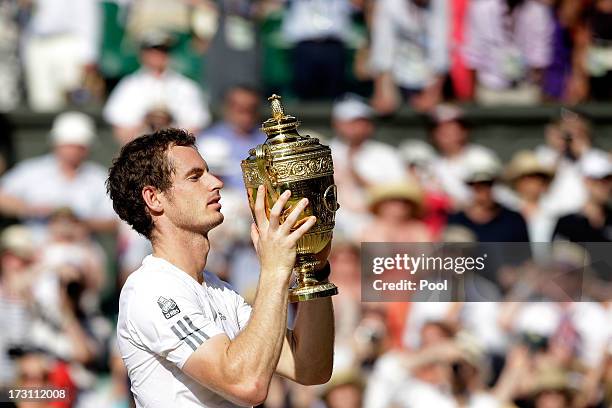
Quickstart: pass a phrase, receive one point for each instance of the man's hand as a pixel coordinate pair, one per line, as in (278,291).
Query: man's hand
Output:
(275,243)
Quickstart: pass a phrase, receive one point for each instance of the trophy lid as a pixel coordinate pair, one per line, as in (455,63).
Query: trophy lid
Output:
(280,127)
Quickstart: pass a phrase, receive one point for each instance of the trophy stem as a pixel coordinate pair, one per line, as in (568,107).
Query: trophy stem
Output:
(307,286)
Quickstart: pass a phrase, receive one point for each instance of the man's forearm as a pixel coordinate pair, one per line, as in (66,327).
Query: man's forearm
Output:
(313,337)
(254,353)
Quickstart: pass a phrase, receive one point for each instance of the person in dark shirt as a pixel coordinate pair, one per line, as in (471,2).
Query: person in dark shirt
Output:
(486,218)
(492,222)
(594,222)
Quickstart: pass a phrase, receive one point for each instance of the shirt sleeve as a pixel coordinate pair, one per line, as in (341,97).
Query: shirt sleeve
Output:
(170,325)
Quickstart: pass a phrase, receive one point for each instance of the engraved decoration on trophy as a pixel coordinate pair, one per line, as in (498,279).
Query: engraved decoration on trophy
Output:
(290,161)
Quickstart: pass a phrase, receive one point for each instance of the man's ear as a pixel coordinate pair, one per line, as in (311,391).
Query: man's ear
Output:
(151,197)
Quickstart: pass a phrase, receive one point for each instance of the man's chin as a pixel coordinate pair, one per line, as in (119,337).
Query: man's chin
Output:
(218,221)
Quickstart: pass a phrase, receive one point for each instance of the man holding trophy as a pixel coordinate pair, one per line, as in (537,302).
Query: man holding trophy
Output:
(187,339)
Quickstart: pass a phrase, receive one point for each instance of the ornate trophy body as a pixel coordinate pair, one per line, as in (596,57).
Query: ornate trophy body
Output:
(289,161)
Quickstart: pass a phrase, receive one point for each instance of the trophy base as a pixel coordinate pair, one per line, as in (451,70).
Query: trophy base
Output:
(321,290)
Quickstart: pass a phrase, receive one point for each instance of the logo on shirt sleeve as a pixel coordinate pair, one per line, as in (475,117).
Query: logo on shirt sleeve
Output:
(168,307)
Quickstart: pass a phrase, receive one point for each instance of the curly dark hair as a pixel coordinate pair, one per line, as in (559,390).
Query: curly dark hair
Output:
(143,162)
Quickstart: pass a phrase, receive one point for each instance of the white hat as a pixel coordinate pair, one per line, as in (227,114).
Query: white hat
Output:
(416,152)
(73,128)
(482,166)
(217,153)
(596,165)
(350,108)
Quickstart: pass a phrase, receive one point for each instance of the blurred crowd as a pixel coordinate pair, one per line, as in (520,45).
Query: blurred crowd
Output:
(416,52)
(150,64)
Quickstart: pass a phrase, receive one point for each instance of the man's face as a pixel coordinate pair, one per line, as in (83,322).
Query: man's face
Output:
(449,137)
(354,131)
(72,154)
(482,192)
(155,59)
(242,110)
(192,203)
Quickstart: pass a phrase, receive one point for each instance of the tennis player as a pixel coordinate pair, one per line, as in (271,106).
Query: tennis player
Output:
(188,339)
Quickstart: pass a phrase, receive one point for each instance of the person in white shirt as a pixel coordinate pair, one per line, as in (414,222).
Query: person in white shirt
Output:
(359,162)
(36,187)
(60,46)
(187,339)
(155,96)
(409,52)
(450,136)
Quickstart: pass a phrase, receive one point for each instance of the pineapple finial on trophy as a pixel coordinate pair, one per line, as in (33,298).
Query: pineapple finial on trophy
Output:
(277,108)
(280,127)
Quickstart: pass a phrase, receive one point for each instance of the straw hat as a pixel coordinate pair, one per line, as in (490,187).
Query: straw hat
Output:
(526,163)
(407,190)
(18,240)
(552,379)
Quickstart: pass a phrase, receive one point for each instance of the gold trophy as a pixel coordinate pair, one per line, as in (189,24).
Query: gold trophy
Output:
(290,161)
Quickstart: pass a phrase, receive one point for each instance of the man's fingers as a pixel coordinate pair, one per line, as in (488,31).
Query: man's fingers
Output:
(293,217)
(277,209)
(260,207)
(303,229)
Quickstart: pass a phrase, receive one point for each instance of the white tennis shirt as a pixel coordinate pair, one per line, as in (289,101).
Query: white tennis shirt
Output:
(164,315)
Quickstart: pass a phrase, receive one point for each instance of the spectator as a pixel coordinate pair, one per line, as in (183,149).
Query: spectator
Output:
(344,390)
(410,53)
(60,47)
(530,180)
(450,136)
(17,274)
(318,29)
(359,162)
(397,209)
(239,129)
(568,146)
(155,96)
(38,186)
(594,222)
(420,158)
(489,220)
(509,43)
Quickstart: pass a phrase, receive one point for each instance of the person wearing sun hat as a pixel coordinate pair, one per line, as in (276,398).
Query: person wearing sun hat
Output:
(489,220)
(397,208)
(530,179)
